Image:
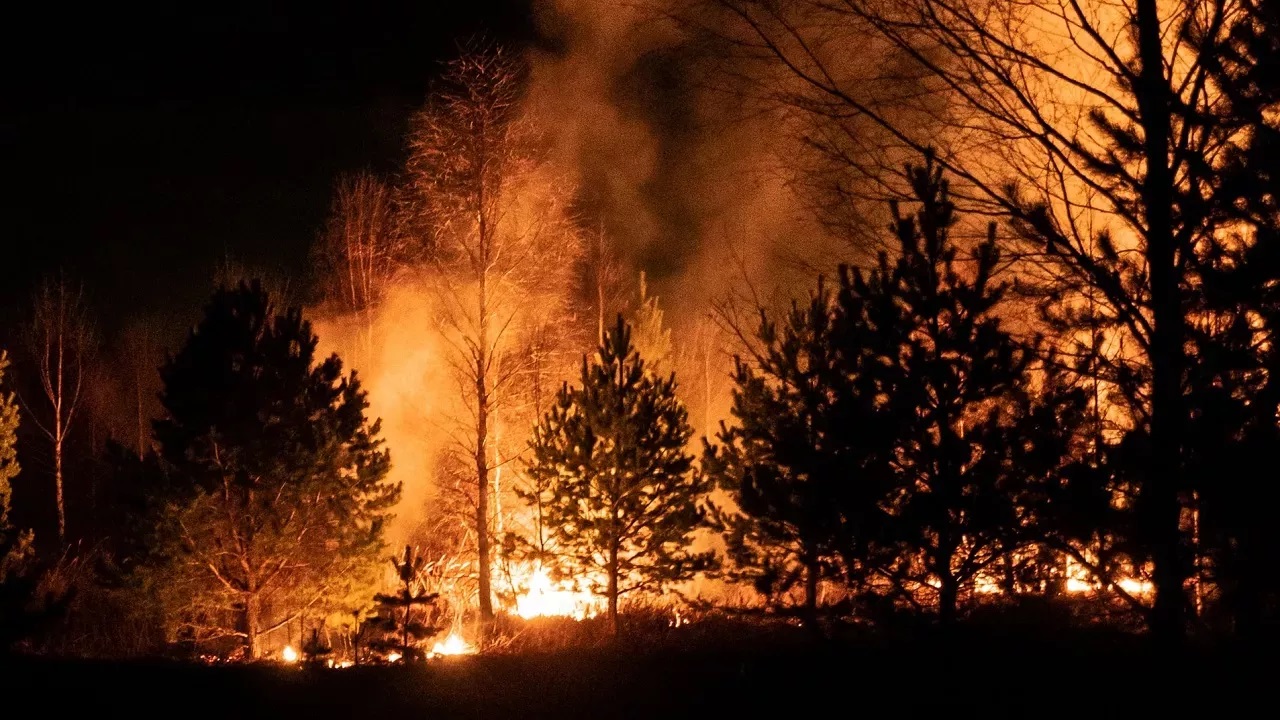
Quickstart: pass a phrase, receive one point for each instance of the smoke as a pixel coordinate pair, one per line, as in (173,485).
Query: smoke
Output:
(692,177)
(409,388)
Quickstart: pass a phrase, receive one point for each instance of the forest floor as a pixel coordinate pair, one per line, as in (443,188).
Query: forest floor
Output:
(967,679)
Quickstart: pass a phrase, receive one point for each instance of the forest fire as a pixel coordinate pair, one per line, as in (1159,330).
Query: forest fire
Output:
(544,599)
(856,441)
(452,645)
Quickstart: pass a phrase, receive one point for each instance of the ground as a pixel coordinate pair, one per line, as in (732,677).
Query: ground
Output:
(999,677)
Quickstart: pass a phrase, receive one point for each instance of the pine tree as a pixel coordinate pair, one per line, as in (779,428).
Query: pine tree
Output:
(277,493)
(972,440)
(1109,137)
(1234,387)
(400,616)
(796,460)
(620,494)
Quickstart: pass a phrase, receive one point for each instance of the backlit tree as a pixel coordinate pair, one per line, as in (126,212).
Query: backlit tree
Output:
(277,495)
(619,493)
(972,439)
(502,252)
(795,459)
(1106,132)
(401,616)
(362,248)
(61,338)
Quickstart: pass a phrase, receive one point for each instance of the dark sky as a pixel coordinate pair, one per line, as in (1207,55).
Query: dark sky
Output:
(143,144)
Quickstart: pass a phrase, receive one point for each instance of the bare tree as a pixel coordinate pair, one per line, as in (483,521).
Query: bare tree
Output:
(1098,129)
(502,251)
(61,339)
(604,280)
(362,247)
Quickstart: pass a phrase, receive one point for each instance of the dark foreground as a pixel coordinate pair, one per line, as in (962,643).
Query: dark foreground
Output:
(932,679)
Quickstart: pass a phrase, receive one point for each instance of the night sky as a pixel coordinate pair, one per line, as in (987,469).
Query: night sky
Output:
(145,145)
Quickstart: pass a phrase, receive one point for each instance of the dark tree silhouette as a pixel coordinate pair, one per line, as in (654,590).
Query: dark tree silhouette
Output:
(400,616)
(1107,135)
(315,650)
(972,437)
(1234,387)
(278,495)
(619,494)
(896,425)
(797,460)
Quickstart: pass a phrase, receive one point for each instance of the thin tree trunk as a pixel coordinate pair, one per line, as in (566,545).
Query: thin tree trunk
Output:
(58,430)
(482,497)
(482,422)
(613,587)
(404,628)
(252,621)
(1164,479)
(142,435)
(601,261)
(57,483)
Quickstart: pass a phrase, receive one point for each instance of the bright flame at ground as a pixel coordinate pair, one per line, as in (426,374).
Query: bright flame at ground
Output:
(543,599)
(393,656)
(453,645)
(289,655)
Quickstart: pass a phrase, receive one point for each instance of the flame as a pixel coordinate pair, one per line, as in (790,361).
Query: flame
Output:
(1079,581)
(544,599)
(1134,586)
(393,656)
(289,655)
(1078,585)
(453,645)
(987,586)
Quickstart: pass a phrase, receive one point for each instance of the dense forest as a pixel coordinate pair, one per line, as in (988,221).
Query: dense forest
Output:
(988,339)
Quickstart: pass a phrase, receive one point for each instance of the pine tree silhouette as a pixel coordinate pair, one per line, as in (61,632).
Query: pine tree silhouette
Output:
(401,616)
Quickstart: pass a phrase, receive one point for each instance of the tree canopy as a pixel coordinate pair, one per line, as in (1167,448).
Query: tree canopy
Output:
(620,496)
(278,493)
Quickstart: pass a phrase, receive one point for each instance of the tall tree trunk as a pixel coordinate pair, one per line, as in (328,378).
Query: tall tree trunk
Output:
(404,628)
(1163,483)
(482,497)
(948,599)
(58,434)
(482,423)
(612,591)
(812,572)
(601,263)
(252,621)
(811,589)
(57,482)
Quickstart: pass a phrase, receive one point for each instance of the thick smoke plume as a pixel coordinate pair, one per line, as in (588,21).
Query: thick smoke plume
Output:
(692,177)
(680,166)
